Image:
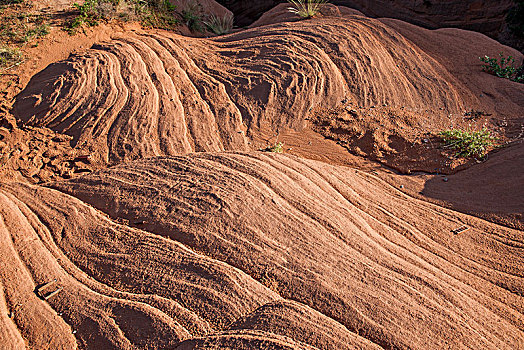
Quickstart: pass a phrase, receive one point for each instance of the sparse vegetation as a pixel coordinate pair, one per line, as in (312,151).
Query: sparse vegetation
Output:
(276,148)
(468,143)
(39,31)
(88,15)
(503,68)
(306,8)
(192,17)
(220,25)
(9,57)
(18,27)
(152,13)
(156,13)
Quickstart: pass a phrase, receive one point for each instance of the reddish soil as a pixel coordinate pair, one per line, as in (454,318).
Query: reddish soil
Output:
(367,234)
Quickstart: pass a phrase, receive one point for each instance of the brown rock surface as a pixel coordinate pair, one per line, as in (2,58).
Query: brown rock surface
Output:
(164,94)
(341,241)
(484,16)
(493,188)
(122,287)
(252,250)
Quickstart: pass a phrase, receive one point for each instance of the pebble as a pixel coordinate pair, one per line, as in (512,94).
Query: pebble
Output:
(445,179)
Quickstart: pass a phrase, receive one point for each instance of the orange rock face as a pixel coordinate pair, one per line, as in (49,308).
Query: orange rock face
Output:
(158,223)
(163,94)
(234,250)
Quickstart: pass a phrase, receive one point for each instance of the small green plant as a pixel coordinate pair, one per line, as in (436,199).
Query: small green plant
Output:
(220,25)
(157,13)
(503,68)
(306,8)
(468,143)
(276,148)
(88,14)
(10,57)
(39,31)
(192,17)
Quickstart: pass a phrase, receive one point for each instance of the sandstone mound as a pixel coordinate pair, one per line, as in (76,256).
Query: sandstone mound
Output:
(366,257)
(73,277)
(163,94)
(247,250)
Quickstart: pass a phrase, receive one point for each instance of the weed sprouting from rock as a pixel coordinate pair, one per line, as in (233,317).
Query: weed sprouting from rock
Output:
(503,68)
(306,8)
(220,25)
(276,148)
(468,143)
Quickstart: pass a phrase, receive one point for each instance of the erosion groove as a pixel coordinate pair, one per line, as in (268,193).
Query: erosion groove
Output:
(164,94)
(137,210)
(333,238)
(122,287)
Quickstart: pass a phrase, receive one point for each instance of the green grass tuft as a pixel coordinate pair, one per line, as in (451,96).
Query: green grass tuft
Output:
(192,17)
(220,25)
(276,148)
(306,8)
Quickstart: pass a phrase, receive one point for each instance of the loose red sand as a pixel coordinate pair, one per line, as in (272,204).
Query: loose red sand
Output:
(322,248)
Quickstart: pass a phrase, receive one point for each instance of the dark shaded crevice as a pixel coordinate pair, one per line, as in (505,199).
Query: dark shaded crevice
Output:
(494,18)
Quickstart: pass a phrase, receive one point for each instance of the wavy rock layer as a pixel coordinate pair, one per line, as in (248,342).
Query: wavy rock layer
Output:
(120,287)
(162,94)
(336,240)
